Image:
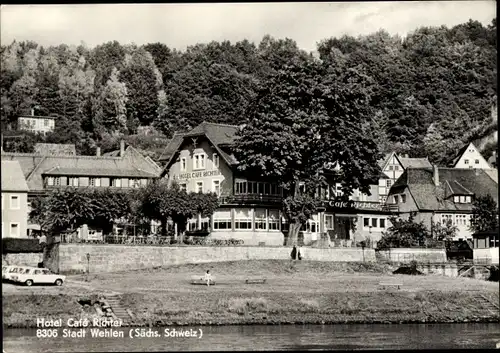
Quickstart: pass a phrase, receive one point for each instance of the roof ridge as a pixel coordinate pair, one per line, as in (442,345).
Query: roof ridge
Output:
(221,124)
(59,156)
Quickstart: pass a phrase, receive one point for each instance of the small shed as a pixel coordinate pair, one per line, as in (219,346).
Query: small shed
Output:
(486,247)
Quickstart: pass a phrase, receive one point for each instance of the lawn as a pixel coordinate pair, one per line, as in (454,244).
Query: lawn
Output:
(312,292)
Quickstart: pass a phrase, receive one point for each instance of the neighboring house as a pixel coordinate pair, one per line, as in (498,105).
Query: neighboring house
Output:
(125,169)
(36,124)
(441,194)
(470,157)
(201,160)
(14,201)
(393,167)
(486,247)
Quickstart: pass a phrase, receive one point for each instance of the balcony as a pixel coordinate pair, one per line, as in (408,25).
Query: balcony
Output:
(250,199)
(391,207)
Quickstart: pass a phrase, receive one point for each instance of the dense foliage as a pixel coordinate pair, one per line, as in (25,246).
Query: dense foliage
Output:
(484,215)
(430,93)
(404,233)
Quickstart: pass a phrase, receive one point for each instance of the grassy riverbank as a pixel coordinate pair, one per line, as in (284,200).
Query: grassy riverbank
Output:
(307,292)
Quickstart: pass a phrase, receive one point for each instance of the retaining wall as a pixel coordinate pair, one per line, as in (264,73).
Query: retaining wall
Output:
(405,255)
(111,258)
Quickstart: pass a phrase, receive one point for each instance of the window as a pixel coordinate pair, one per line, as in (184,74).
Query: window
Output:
(74,181)
(396,199)
(199,186)
(183,186)
(391,167)
(14,230)
(388,183)
(199,161)
(274,220)
(476,161)
(462,199)
(53,181)
(374,222)
(366,222)
(117,183)
(466,161)
(222,220)
(468,199)
(403,198)
(456,199)
(396,167)
(192,224)
(134,183)
(382,222)
(216,160)
(45,122)
(285,226)
(14,202)
(97,182)
(216,187)
(241,187)
(260,219)
(243,219)
(183,164)
(329,222)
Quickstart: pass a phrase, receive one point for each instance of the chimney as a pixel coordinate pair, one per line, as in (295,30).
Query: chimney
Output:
(98,151)
(122,148)
(435,173)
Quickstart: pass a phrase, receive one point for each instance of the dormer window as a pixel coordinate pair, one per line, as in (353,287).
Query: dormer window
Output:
(462,199)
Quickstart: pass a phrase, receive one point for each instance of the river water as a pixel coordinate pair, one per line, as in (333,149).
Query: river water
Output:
(261,337)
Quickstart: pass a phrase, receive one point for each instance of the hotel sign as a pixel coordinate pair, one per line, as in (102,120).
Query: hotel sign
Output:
(193,175)
(358,205)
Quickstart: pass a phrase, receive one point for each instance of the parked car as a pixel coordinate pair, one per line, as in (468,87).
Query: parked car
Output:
(5,270)
(14,270)
(38,276)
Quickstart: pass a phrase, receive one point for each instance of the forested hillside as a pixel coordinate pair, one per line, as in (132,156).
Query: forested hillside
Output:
(430,93)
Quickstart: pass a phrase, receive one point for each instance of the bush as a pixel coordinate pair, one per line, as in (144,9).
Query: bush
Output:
(245,305)
(17,246)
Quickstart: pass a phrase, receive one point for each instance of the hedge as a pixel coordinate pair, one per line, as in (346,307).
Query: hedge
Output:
(20,245)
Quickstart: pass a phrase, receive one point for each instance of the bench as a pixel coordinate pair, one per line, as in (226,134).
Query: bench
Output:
(255,281)
(201,281)
(391,284)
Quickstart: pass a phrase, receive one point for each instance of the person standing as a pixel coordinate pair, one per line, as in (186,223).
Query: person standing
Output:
(300,253)
(294,253)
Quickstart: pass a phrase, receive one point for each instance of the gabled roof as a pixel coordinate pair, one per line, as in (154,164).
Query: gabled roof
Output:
(13,177)
(384,160)
(219,135)
(431,197)
(463,150)
(415,162)
(34,166)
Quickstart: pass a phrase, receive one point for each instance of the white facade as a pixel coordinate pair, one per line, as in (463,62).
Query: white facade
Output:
(471,158)
(36,124)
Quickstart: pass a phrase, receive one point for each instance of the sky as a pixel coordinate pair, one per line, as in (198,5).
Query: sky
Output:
(181,25)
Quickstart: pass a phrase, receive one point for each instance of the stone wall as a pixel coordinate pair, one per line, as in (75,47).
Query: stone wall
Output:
(111,258)
(405,255)
(29,259)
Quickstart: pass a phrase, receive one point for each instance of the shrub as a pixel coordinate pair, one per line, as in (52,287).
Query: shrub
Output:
(309,305)
(245,305)
(20,245)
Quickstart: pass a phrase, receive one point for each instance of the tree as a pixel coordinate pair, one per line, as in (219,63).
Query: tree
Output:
(444,231)
(143,80)
(484,214)
(111,107)
(305,117)
(404,233)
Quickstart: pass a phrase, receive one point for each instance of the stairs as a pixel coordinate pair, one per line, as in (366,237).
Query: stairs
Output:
(488,305)
(119,310)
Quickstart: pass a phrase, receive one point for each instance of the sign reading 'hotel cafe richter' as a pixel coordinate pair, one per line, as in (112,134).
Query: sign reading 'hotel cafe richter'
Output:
(193,175)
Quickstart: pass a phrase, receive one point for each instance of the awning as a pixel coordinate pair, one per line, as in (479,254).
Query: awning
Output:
(34,227)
